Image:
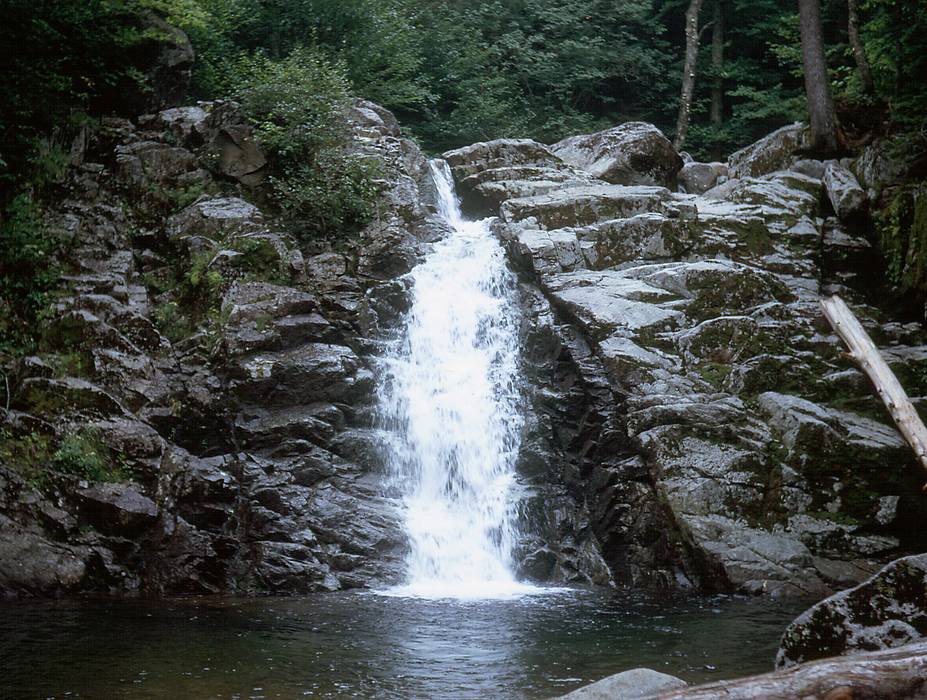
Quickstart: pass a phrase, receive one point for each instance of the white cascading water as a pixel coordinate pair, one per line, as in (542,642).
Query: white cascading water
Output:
(453,405)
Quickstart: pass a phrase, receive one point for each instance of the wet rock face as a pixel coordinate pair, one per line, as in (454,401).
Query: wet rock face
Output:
(716,436)
(888,610)
(690,422)
(227,375)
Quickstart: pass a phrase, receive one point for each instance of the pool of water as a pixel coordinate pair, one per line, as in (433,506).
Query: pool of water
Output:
(362,645)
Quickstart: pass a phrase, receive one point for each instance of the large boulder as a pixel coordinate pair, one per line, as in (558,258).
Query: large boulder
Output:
(229,134)
(849,200)
(370,118)
(489,173)
(882,164)
(215,217)
(307,374)
(582,206)
(33,565)
(888,610)
(698,178)
(501,153)
(117,509)
(635,153)
(775,151)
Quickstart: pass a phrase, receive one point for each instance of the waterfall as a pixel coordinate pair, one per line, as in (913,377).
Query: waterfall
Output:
(453,403)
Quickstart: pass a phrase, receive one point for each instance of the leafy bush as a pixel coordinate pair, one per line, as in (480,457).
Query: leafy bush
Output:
(83,454)
(298,106)
(27,273)
(171,322)
(337,193)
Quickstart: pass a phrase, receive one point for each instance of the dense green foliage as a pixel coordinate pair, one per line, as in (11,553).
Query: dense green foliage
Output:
(454,71)
(83,454)
(459,72)
(296,105)
(26,274)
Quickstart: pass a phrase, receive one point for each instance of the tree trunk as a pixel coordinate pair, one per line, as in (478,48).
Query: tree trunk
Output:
(817,81)
(866,355)
(859,52)
(717,65)
(688,72)
(889,674)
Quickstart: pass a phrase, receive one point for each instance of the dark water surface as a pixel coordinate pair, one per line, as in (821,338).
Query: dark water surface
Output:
(361,645)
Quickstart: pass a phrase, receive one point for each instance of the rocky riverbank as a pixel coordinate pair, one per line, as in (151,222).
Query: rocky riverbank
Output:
(201,416)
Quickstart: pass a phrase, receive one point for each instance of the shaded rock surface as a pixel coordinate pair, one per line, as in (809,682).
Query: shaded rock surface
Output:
(846,195)
(691,423)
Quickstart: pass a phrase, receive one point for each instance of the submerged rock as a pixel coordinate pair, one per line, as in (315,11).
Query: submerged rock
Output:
(636,684)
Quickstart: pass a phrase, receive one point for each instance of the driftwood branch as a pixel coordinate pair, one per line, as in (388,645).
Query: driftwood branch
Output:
(864,353)
(890,674)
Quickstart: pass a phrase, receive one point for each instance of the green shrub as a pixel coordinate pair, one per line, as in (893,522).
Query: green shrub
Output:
(27,274)
(297,106)
(171,322)
(337,193)
(296,103)
(83,454)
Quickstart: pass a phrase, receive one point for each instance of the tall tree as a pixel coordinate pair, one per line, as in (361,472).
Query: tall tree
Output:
(688,73)
(717,65)
(859,51)
(817,81)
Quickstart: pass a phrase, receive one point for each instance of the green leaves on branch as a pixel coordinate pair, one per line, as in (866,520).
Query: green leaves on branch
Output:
(298,106)
(27,274)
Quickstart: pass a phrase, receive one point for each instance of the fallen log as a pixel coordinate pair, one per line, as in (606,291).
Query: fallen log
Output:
(889,674)
(864,352)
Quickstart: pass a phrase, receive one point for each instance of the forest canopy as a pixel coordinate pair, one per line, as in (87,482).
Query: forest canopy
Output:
(460,72)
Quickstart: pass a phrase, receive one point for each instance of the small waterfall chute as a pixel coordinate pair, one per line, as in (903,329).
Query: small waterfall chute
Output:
(453,402)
